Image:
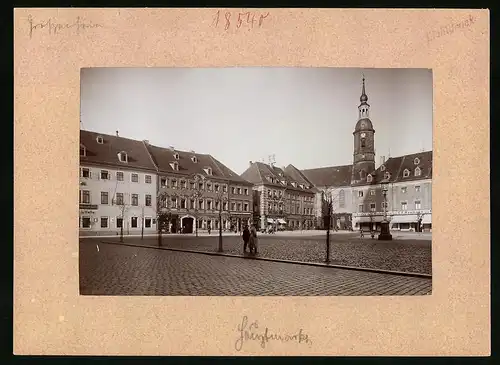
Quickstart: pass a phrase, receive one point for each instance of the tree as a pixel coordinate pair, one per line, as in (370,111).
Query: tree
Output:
(163,215)
(328,197)
(123,209)
(197,195)
(220,199)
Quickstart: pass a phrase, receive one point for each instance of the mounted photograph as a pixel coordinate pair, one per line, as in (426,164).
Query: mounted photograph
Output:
(258,181)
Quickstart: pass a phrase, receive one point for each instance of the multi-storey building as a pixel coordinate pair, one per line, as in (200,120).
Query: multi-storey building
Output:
(117,185)
(194,188)
(358,188)
(282,196)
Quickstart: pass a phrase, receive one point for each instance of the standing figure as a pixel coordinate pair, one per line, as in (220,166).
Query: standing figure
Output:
(246,238)
(253,241)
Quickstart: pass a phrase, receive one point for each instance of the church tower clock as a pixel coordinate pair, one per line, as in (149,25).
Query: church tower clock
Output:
(364,142)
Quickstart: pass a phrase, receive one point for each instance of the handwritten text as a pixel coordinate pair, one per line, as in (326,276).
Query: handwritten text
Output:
(54,28)
(449,29)
(252,333)
(239,20)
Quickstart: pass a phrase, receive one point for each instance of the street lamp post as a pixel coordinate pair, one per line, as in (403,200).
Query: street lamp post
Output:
(385,234)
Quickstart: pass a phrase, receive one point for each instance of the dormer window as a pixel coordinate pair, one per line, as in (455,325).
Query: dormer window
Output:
(194,159)
(418,171)
(176,156)
(369,178)
(406,173)
(100,140)
(283,182)
(382,168)
(294,184)
(362,174)
(208,170)
(174,165)
(123,157)
(301,186)
(387,175)
(416,161)
(83,151)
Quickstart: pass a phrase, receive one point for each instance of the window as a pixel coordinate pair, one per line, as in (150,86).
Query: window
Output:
(369,178)
(403,190)
(217,205)
(233,190)
(104,222)
(233,206)
(342,198)
(200,204)
(175,166)
(417,188)
(135,178)
(416,161)
(122,157)
(183,184)
(239,190)
(208,170)
(134,222)
(192,185)
(104,197)
(384,205)
(119,198)
(372,192)
(382,167)
(174,183)
(200,186)
(363,143)
(239,207)
(191,203)
(387,175)
(373,207)
(209,187)
(148,200)
(224,206)
(85,222)
(163,201)
(404,206)
(135,199)
(119,176)
(216,186)
(104,175)
(224,188)
(194,159)
(209,204)
(119,222)
(147,179)
(246,191)
(86,172)
(269,193)
(85,197)
(82,151)
(100,140)
(417,204)
(406,173)
(183,203)
(418,172)
(174,202)
(147,222)
(360,193)
(245,207)
(176,156)
(163,182)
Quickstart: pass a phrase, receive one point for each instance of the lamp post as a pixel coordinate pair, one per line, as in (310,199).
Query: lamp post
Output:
(385,234)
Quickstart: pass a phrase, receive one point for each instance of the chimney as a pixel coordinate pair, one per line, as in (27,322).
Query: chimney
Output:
(250,163)
(117,134)
(146,141)
(171,148)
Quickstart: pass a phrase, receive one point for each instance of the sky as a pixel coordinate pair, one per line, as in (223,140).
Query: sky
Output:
(302,116)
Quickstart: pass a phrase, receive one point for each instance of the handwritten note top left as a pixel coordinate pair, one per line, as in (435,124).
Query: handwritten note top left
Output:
(53,27)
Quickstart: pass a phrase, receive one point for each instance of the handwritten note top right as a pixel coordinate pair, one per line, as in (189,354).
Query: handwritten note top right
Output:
(248,20)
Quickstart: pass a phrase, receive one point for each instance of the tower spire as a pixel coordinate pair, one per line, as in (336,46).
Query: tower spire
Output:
(364,97)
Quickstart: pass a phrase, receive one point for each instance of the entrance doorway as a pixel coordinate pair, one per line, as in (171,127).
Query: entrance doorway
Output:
(187,224)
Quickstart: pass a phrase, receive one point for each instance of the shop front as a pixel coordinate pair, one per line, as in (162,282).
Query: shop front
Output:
(427,222)
(367,223)
(407,222)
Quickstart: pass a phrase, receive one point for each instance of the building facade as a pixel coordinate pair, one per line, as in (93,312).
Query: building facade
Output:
(357,190)
(117,186)
(195,189)
(282,200)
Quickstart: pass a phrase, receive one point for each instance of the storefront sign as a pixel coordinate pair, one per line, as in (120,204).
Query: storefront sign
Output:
(88,206)
(393,212)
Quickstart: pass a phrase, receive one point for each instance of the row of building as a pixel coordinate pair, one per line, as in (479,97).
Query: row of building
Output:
(125,183)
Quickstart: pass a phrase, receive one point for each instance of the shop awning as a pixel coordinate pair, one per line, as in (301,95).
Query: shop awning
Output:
(410,218)
(376,219)
(427,219)
(281,221)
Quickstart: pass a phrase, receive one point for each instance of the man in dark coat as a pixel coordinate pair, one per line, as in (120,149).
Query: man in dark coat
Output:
(246,237)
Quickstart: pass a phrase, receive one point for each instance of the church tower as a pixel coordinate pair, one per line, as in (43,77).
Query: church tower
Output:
(364,142)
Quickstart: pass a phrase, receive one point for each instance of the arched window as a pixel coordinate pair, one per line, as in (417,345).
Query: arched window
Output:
(369,178)
(342,198)
(382,167)
(363,143)
(418,172)
(406,173)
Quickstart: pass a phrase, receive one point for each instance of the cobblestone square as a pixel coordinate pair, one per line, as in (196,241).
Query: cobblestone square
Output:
(111,269)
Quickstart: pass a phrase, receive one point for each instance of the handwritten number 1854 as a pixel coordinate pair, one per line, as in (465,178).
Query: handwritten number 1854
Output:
(243,18)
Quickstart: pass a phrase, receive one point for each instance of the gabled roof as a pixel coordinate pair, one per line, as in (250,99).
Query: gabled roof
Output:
(396,166)
(333,176)
(259,172)
(107,152)
(164,157)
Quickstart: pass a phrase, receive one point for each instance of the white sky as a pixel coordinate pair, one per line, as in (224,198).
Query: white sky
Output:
(304,116)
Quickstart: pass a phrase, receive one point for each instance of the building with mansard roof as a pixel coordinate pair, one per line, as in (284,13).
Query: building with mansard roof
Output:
(357,190)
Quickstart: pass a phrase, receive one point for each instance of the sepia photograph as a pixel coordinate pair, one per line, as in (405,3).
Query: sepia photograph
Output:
(255,181)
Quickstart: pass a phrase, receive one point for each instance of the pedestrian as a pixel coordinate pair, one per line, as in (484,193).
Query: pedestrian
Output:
(208,229)
(246,237)
(361,232)
(253,241)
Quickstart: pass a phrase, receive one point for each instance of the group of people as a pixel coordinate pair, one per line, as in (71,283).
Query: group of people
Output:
(250,239)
